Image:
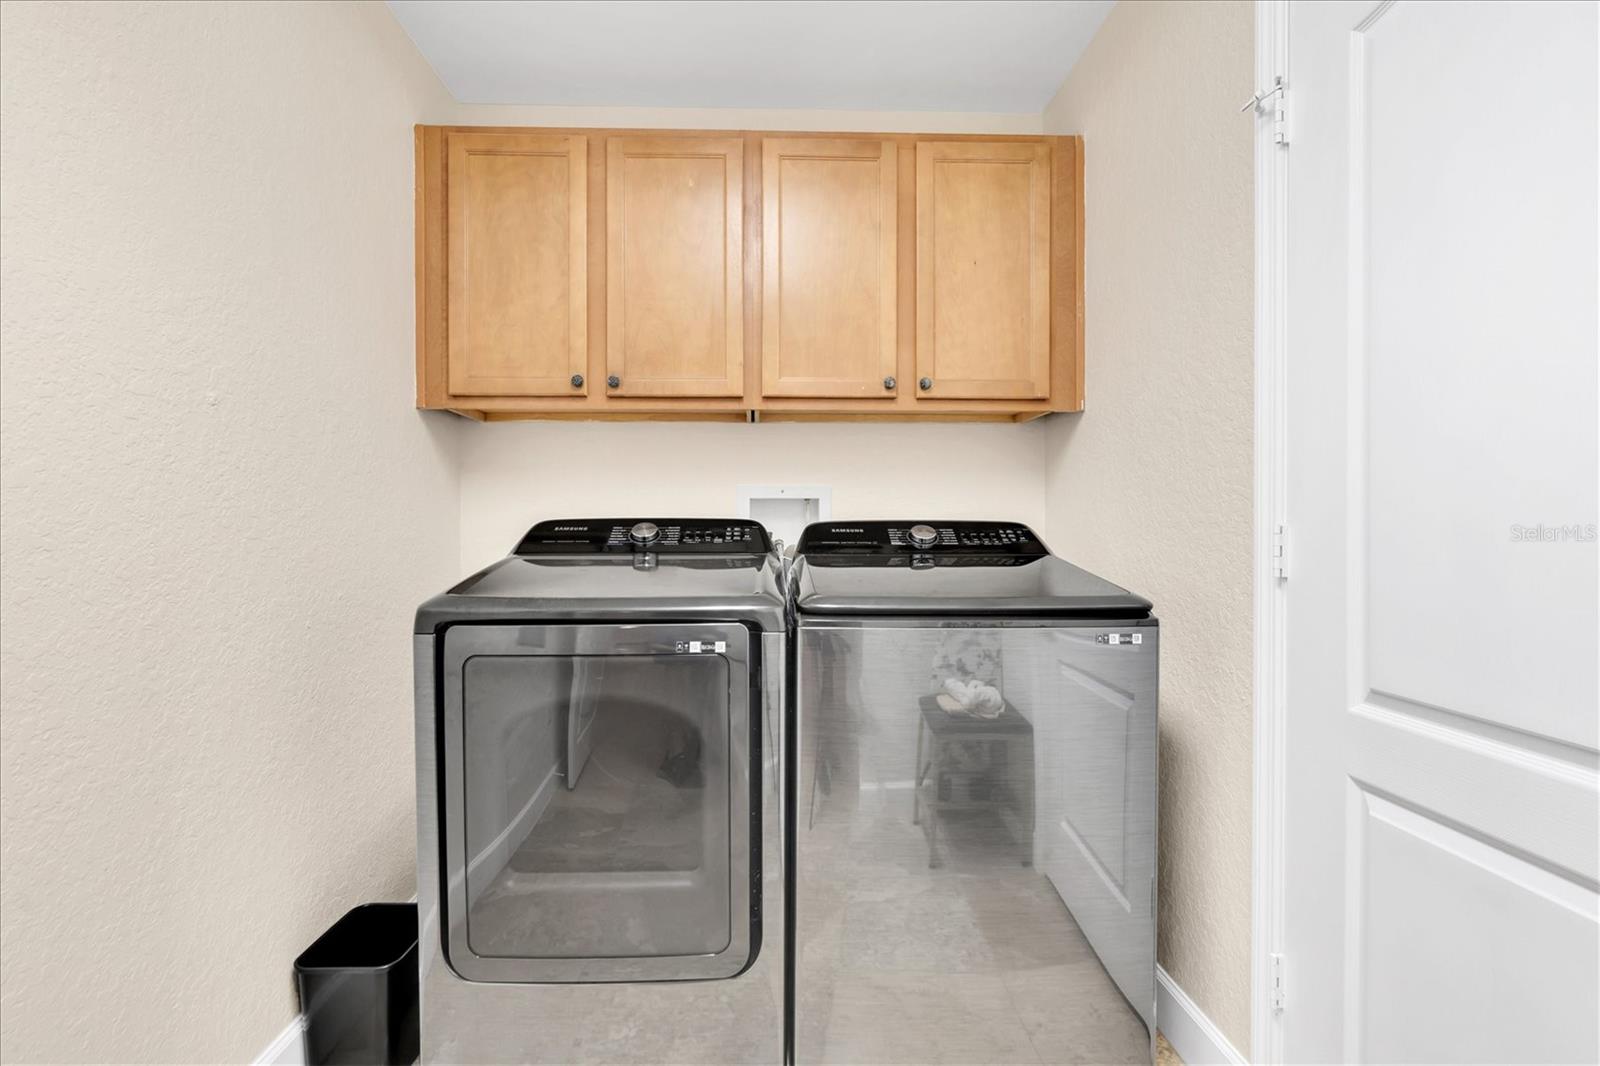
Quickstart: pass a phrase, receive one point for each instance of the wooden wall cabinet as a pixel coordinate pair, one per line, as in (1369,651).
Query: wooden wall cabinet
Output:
(830,267)
(517,251)
(983,270)
(743,275)
(674,266)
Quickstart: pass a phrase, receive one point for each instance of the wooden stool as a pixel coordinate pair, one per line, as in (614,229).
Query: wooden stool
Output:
(1008,744)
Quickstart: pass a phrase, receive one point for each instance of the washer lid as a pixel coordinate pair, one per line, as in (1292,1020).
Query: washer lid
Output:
(624,570)
(970,568)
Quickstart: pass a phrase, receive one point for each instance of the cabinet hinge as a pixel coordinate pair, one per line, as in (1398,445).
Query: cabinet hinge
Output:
(1274,103)
(1280,552)
(1277,982)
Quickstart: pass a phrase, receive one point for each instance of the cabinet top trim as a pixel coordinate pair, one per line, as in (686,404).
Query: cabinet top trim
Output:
(677,134)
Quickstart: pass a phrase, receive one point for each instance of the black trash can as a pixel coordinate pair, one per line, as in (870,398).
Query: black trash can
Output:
(358,988)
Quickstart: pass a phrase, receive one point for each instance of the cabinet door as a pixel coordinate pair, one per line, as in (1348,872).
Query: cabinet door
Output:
(829,265)
(983,270)
(674,278)
(518,284)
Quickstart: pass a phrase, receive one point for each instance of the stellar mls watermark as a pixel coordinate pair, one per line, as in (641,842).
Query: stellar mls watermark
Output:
(1558,533)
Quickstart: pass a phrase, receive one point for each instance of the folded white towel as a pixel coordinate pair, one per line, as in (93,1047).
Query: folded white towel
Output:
(973,697)
(987,702)
(960,690)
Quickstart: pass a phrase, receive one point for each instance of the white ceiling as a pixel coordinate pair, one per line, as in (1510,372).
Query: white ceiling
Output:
(905,55)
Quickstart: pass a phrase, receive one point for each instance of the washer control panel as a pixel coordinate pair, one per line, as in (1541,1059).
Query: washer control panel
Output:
(668,536)
(931,543)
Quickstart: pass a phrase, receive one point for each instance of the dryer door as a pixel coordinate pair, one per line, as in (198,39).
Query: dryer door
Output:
(599,790)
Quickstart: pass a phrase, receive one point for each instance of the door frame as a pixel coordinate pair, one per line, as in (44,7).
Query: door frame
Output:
(1272,538)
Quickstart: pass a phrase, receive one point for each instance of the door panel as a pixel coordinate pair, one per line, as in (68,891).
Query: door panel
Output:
(831,260)
(983,270)
(1430,891)
(631,864)
(518,288)
(1441,622)
(674,254)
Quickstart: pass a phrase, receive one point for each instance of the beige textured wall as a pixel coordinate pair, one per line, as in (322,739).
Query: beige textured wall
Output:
(513,474)
(1151,485)
(220,510)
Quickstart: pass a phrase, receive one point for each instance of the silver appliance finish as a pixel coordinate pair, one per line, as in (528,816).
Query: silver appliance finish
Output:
(971,889)
(592,901)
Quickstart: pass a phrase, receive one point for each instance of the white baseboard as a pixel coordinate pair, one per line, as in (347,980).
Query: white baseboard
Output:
(288,1049)
(1192,1035)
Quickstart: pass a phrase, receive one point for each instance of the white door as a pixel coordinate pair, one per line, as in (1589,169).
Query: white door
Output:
(1441,823)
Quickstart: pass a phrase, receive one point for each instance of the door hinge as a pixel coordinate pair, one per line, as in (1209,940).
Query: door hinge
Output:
(1277,982)
(1274,103)
(1280,552)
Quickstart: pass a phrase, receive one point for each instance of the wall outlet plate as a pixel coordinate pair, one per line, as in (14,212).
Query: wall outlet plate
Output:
(785,509)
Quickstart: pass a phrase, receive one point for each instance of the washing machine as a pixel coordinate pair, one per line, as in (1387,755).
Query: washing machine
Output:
(974,808)
(600,739)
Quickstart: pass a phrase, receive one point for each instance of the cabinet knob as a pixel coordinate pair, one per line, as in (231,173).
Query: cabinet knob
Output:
(925,384)
(889,382)
(577,381)
(613,381)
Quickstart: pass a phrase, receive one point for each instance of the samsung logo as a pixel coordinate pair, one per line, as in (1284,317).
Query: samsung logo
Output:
(572,529)
(847,529)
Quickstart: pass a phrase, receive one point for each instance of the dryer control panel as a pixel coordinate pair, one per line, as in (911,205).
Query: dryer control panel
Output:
(930,543)
(667,536)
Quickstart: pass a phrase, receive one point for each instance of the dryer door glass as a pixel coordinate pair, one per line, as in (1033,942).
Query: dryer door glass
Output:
(598,795)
